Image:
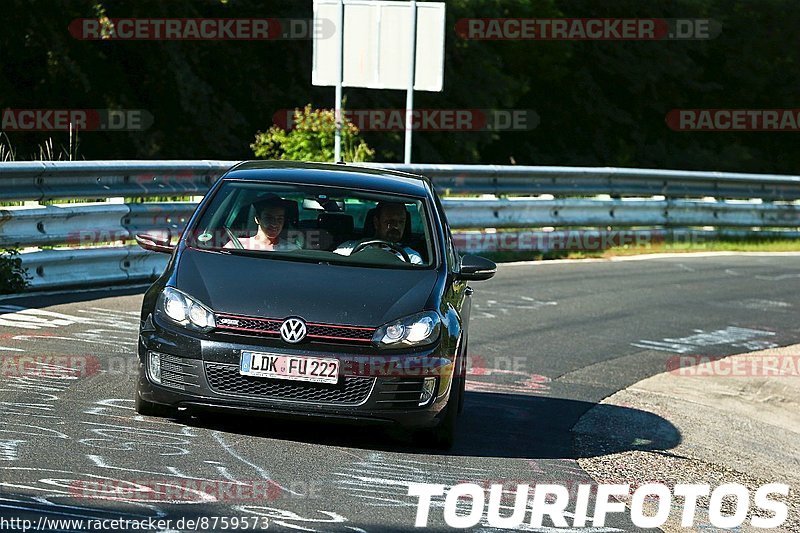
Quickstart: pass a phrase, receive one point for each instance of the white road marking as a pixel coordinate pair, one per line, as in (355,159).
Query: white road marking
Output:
(778,278)
(8,449)
(507,306)
(730,335)
(263,473)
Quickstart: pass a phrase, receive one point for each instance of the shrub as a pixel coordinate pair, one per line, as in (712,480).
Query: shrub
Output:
(311,139)
(13,276)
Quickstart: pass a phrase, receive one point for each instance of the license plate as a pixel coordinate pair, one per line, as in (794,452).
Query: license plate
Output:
(298,368)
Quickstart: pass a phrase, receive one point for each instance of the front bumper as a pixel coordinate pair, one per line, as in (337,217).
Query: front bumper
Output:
(202,373)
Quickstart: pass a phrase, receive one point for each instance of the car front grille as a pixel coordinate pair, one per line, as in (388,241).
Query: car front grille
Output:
(402,393)
(225,379)
(345,333)
(270,327)
(179,373)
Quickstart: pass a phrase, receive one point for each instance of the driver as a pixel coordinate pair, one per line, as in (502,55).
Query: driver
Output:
(270,217)
(390,224)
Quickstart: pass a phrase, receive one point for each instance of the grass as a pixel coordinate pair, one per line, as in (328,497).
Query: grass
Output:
(751,244)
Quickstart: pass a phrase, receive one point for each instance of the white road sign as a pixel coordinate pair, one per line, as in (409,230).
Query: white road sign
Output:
(376,45)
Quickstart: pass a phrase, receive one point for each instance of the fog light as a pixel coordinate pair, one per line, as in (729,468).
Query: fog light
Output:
(154,366)
(428,391)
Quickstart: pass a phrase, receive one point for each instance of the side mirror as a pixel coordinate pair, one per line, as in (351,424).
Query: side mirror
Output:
(476,268)
(154,243)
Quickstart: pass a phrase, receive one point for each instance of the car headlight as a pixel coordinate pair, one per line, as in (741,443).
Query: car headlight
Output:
(184,310)
(414,330)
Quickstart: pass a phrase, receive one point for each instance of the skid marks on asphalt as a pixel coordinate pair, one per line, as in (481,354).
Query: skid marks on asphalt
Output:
(34,425)
(106,441)
(511,378)
(94,326)
(382,480)
(507,306)
(738,337)
(757,304)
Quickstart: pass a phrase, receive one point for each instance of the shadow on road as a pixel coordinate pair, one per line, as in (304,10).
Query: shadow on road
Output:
(42,299)
(492,425)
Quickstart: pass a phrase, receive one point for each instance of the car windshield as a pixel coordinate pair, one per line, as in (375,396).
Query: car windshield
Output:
(316,223)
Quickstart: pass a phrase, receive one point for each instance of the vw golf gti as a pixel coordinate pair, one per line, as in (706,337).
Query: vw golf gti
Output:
(312,290)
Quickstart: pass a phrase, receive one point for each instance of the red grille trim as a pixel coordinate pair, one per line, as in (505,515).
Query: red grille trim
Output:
(271,326)
(338,326)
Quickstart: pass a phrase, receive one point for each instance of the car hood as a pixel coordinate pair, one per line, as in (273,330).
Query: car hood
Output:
(273,288)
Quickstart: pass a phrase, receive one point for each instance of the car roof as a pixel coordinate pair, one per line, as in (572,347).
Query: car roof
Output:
(340,175)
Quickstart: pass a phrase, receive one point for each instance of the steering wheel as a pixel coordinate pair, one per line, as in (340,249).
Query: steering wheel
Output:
(234,239)
(394,247)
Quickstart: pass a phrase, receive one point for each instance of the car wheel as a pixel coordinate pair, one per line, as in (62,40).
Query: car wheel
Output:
(143,407)
(462,379)
(442,436)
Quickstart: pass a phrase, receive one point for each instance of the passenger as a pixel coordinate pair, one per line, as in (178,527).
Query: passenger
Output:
(390,225)
(270,217)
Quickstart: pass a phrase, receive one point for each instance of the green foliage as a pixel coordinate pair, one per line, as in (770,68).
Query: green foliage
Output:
(599,102)
(13,276)
(312,139)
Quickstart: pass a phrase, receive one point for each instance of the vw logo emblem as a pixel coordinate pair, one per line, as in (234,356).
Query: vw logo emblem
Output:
(293,330)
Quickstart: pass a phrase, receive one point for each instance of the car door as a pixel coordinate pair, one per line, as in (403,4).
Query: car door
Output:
(458,293)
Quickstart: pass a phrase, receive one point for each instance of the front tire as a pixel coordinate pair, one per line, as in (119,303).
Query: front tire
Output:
(143,407)
(443,435)
(462,378)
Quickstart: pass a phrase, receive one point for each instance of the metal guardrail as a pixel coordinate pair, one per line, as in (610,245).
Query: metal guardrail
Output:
(88,223)
(619,213)
(92,266)
(553,197)
(47,180)
(587,181)
(594,240)
(82,224)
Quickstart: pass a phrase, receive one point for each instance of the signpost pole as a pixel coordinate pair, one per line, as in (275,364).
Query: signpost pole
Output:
(337,142)
(412,71)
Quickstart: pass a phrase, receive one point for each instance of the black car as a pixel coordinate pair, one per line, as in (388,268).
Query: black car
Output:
(312,290)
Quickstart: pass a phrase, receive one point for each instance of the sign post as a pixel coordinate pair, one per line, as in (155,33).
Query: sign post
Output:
(337,140)
(412,67)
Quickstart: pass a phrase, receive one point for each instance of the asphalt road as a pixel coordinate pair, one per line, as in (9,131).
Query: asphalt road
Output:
(546,343)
